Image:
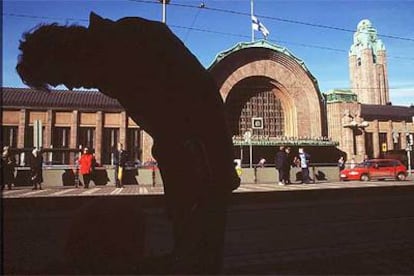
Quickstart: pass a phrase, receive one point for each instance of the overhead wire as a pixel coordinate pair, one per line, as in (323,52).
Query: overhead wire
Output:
(270,18)
(200,30)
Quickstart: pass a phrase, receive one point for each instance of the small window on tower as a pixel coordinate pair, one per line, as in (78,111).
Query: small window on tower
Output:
(359,61)
(374,58)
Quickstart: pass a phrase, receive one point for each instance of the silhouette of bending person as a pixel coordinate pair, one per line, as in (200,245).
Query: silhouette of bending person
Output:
(165,89)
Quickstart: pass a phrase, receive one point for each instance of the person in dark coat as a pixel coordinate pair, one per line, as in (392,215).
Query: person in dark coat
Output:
(151,73)
(120,159)
(280,164)
(7,165)
(36,169)
(288,164)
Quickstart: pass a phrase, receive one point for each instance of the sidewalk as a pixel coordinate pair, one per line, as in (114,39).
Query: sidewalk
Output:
(143,190)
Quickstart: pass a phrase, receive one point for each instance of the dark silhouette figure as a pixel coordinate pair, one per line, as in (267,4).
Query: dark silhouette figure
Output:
(35,161)
(68,178)
(165,89)
(286,168)
(7,166)
(100,176)
(120,159)
(280,164)
(321,176)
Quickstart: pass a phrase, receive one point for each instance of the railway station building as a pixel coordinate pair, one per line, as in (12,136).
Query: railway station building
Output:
(270,96)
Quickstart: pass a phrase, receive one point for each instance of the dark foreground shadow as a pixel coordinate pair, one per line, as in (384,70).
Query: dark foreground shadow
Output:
(100,177)
(129,177)
(22,178)
(103,240)
(68,178)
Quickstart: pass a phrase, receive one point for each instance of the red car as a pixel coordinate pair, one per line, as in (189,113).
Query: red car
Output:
(376,169)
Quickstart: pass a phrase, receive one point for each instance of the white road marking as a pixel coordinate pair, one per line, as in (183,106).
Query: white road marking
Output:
(91,191)
(32,193)
(62,192)
(117,191)
(143,190)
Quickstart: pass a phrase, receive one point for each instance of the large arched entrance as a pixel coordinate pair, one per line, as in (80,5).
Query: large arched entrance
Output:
(259,79)
(256,97)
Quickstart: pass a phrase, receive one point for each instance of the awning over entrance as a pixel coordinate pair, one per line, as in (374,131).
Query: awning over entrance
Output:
(294,142)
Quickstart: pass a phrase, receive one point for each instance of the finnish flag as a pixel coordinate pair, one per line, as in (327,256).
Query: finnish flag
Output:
(258,26)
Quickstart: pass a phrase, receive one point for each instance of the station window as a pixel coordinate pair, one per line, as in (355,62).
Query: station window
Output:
(10,136)
(133,144)
(60,141)
(29,136)
(86,137)
(109,141)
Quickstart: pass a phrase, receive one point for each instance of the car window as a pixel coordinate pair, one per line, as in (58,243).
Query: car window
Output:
(362,165)
(383,164)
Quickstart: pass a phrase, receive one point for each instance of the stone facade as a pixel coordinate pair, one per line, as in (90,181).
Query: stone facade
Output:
(252,77)
(69,129)
(287,78)
(368,66)
(362,119)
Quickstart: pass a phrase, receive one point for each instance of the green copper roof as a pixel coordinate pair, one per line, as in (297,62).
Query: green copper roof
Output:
(366,38)
(259,44)
(341,96)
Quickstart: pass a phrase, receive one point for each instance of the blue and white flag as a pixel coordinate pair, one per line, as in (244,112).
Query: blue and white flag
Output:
(258,26)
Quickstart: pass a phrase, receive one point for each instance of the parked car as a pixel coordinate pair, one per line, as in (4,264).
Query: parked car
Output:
(376,169)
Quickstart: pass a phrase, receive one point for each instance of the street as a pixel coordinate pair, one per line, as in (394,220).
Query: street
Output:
(323,228)
(111,190)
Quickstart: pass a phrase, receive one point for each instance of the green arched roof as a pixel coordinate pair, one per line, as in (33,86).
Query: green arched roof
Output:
(260,44)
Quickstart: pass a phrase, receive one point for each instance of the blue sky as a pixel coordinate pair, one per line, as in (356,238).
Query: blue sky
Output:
(221,24)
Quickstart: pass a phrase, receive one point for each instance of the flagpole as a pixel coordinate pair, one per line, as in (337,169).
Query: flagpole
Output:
(251,16)
(164,11)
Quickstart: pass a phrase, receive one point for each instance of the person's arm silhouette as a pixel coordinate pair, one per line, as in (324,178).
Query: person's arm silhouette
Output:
(165,89)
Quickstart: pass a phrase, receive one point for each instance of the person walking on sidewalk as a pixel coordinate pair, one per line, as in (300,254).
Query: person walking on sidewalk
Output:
(7,165)
(280,163)
(286,168)
(86,167)
(120,159)
(304,158)
(36,169)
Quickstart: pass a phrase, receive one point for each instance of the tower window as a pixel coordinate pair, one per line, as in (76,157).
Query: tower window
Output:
(359,61)
(374,59)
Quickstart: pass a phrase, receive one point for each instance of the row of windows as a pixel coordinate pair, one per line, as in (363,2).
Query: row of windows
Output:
(374,60)
(86,138)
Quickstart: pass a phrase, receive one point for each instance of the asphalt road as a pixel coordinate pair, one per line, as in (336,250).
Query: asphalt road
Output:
(323,228)
(110,190)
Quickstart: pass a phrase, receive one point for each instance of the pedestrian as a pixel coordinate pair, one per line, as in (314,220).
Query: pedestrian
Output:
(286,168)
(7,165)
(86,166)
(304,158)
(280,163)
(261,163)
(341,163)
(353,163)
(36,169)
(238,167)
(120,159)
